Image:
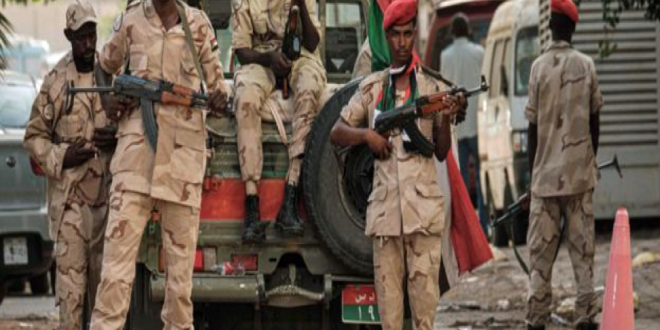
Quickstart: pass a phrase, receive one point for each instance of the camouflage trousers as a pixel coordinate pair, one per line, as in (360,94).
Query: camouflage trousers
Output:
(413,261)
(543,239)
(78,256)
(129,215)
(254,84)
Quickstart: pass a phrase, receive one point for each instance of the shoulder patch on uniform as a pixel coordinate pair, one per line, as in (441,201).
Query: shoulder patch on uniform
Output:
(435,74)
(118,22)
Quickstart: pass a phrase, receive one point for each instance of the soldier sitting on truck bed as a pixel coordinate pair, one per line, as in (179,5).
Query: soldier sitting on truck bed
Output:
(259,28)
(405,216)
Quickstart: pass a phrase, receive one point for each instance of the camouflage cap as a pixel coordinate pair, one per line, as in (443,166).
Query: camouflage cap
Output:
(79,13)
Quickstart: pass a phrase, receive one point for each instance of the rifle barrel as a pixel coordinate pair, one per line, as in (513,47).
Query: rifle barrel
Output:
(74,90)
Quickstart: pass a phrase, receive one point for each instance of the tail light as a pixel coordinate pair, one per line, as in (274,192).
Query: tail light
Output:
(36,169)
(197,266)
(249,261)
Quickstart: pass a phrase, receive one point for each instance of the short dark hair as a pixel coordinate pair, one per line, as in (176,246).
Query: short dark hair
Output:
(460,25)
(413,21)
(562,26)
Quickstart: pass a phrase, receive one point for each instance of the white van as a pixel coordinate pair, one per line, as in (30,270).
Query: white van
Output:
(511,47)
(629,81)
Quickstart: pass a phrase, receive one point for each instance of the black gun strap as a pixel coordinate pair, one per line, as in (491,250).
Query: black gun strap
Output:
(191,45)
(421,144)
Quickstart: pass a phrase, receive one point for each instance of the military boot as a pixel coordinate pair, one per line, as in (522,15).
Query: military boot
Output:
(586,326)
(287,220)
(535,327)
(254,231)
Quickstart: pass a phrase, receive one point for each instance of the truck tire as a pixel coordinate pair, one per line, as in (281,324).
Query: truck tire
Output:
(40,284)
(338,216)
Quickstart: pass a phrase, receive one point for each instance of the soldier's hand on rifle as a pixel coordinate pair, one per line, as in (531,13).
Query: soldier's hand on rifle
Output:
(452,104)
(378,144)
(218,102)
(104,138)
(118,106)
(77,154)
(280,64)
(462,110)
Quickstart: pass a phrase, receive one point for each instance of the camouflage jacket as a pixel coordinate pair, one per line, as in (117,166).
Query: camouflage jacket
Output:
(57,121)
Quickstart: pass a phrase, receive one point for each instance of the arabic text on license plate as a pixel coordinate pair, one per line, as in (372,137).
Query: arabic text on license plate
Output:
(15,251)
(359,304)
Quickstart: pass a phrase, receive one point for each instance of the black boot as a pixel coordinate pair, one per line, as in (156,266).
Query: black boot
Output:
(254,231)
(535,327)
(287,220)
(586,326)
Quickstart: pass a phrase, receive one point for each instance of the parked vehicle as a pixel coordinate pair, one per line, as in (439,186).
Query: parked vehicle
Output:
(284,282)
(629,118)
(27,250)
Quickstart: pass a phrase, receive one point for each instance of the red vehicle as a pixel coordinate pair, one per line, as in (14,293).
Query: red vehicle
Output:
(480,13)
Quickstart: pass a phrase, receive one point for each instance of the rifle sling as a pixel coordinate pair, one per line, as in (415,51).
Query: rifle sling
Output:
(191,45)
(421,144)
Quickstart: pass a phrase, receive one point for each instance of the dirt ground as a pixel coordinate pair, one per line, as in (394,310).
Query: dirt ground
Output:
(493,297)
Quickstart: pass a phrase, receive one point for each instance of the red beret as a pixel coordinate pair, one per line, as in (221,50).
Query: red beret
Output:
(566,7)
(399,12)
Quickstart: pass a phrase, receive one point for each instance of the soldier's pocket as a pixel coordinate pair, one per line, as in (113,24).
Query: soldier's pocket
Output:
(129,154)
(139,59)
(189,156)
(189,74)
(429,203)
(377,207)
(70,127)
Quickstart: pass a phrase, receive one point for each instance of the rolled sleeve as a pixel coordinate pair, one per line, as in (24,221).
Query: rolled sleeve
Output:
(355,112)
(531,110)
(113,55)
(210,57)
(596,102)
(242,23)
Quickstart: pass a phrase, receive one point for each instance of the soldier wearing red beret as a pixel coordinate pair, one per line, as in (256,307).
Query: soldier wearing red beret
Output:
(563,109)
(405,216)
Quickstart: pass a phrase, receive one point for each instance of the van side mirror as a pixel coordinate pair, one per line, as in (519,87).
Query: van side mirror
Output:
(504,80)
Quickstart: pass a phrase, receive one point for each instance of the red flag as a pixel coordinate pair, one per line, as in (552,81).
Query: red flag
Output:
(468,239)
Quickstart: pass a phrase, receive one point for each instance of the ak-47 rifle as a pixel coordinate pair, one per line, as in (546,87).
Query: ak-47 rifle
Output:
(291,45)
(517,208)
(148,92)
(423,106)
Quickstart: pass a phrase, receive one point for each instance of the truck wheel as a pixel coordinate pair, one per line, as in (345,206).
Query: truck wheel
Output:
(17,286)
(336,196)
(40,284)
(3,291)
(498,236)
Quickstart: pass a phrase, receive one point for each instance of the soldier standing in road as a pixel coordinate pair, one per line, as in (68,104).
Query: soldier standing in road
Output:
(405,216)
(259,27)
(72,141)
(563,109)
(150,41)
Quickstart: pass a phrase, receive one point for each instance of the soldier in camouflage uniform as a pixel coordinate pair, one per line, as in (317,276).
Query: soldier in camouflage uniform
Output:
(149,41)
(71,140)
(405,216)
(563,108)
(259,27)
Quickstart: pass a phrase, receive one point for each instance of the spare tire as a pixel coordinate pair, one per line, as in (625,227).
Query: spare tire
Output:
(335,193)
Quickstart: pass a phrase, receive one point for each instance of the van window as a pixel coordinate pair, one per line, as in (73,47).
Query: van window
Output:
(15,105)
(506,62)
(343,36)
(497,61)
(527,49)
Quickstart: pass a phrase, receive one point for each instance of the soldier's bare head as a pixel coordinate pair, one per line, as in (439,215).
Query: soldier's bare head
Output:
(460,26)
(81,32)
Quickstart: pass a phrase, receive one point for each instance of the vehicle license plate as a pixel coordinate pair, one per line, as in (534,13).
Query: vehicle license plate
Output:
(15,251)
(359,304)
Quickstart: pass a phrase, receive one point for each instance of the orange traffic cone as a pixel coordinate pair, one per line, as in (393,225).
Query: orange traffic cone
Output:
(618,312)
